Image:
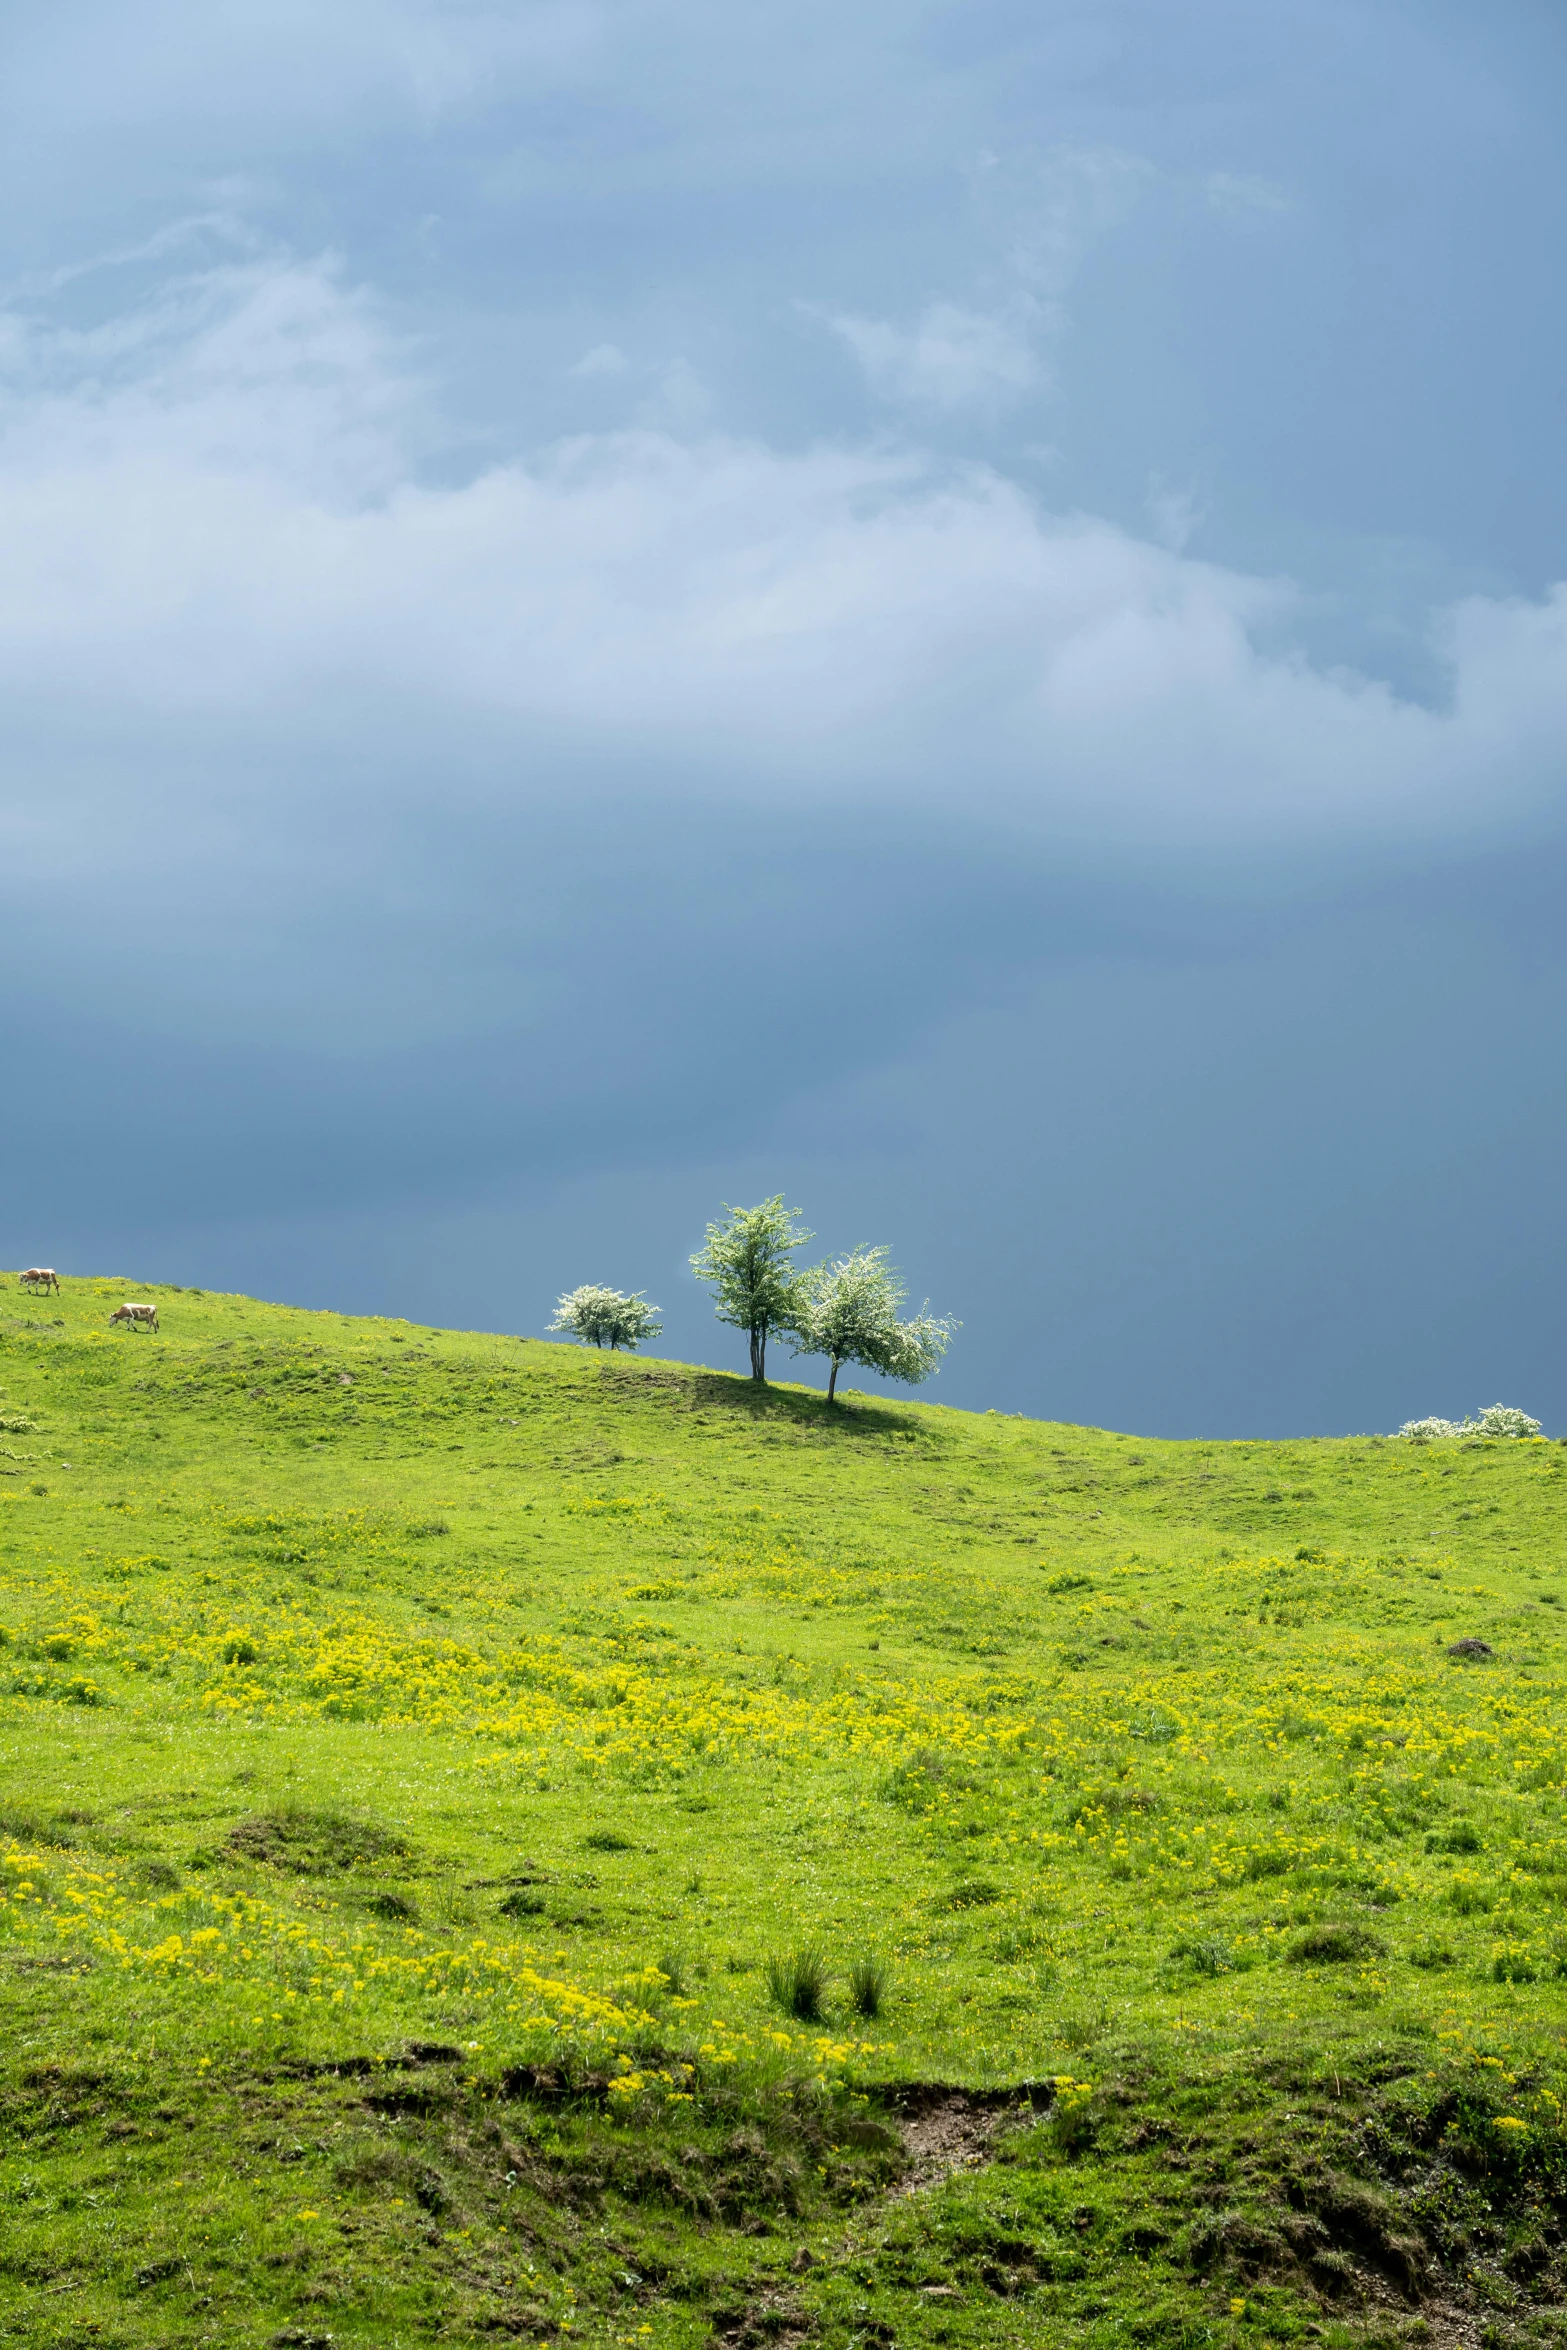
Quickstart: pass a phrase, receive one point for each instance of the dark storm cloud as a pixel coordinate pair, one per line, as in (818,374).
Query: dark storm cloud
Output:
(605,606)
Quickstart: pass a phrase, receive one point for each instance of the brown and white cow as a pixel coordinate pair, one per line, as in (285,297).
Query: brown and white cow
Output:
(40,1277)
(138,1317)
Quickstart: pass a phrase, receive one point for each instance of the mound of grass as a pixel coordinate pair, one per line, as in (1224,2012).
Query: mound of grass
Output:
(1224,1907)
(399,1907)
(524,1903)
(1330,1945)
(311,1843)
(973,1893)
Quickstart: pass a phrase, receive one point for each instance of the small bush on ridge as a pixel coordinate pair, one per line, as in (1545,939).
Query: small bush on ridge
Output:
(1498,1419)
(606,1317)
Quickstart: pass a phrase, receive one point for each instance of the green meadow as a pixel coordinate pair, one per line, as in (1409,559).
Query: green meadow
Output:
(501,1842)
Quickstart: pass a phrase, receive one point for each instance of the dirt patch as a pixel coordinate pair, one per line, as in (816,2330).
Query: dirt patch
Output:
(945,2130)
(1452,2328)
(1446,2324)
(770,2318)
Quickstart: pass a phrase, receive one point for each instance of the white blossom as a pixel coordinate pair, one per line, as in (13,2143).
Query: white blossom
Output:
(746,1263)
(1498,1419)
(849,1313)
(606,1317)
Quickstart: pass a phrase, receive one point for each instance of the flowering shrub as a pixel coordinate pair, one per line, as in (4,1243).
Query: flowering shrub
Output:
(1502,1419)
(1498,1419)
(606,1317)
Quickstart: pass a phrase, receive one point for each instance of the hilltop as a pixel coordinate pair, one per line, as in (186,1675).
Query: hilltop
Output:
(419,1746)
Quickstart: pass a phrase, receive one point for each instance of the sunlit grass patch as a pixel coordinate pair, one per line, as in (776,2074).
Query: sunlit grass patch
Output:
(474,1777)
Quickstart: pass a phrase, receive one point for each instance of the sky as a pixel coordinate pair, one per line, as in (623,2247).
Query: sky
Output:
(957,611)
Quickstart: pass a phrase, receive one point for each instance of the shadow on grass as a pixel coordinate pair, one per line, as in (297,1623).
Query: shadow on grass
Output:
(850,1414)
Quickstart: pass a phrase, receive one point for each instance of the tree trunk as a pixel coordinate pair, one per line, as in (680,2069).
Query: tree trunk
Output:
(832,1379)
(759,1351)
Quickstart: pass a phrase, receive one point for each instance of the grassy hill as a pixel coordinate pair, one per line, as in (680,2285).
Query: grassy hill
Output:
(504,1843)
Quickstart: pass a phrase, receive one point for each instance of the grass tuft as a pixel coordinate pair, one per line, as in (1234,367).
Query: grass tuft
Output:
(867,1986)
(797,1983)
(675,1967)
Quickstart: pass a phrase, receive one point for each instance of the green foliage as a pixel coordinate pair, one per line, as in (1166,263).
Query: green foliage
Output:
(607,1317)
(747,1262)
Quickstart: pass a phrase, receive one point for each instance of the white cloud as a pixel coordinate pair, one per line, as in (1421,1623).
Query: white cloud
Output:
(266,370)
(671,396)
(951,358)
(1046,212)
(1052,210)
(677,401)
(1245,191)
(234,60)
(1173,515)
(217,530)
(605,359)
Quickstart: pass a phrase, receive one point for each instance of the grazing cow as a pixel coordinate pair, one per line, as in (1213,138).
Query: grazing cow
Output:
(138,1317)
(41,1277)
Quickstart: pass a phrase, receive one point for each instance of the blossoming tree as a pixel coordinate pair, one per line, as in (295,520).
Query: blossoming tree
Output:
(849,1312)
(747,1263)
(606,1317)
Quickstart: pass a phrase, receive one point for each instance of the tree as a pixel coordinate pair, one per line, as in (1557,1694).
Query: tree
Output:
(745,1261)
(849,1313)
(606,1317)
